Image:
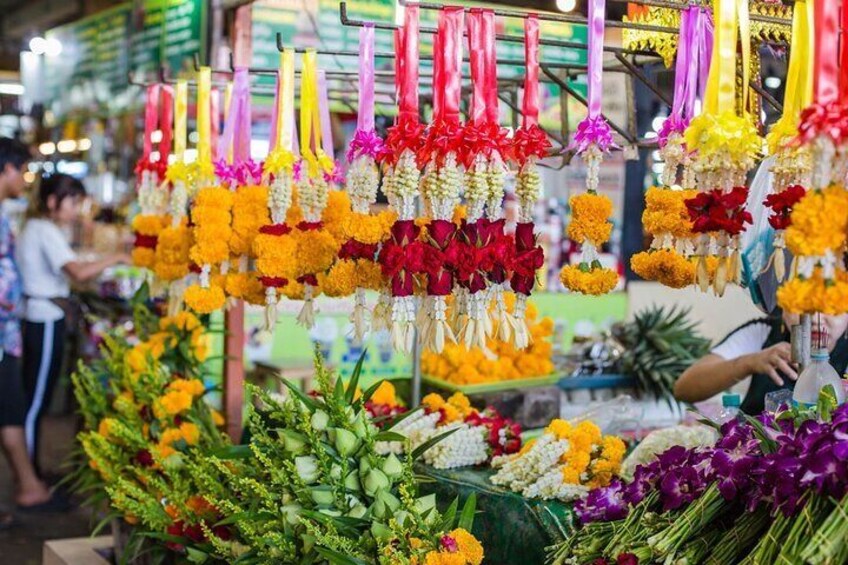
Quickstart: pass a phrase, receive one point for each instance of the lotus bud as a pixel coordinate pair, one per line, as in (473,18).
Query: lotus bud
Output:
(291,513)
(331,434)
(352,482)
(392,466)
(391,500)
(364,466)
(322,496)
(357,511)
(426,506)
(308,542)
(293,442)
(330,512)
(401,517)
(320,420)
(346,442)
(381,532)
(307,468)
(360,428)
(374,481)
(335,472)
(379,509)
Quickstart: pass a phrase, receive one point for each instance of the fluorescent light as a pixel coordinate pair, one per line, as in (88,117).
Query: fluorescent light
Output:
(67,146)
(47,148)
(53,47)
(773,82)
(38,45)
(84,144)
(566,5)
(11,88)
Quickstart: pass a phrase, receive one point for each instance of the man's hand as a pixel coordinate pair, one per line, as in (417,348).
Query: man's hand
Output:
(774,362)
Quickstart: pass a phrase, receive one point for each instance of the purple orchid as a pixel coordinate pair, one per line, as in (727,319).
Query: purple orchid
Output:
(603,504)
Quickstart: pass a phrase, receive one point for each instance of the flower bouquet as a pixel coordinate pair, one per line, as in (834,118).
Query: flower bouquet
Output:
(564,463)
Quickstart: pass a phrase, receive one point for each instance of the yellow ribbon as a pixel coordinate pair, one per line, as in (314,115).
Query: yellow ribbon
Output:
(228,96)
(308,110)
(180,119)
(285,121)
(744,34)
(204,114)
(799,83)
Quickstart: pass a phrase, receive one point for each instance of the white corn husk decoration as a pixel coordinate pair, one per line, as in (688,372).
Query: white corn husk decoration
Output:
(312,195)
(363,182)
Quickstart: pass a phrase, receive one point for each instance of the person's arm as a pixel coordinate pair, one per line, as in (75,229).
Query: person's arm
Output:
(713,374)
(83,271)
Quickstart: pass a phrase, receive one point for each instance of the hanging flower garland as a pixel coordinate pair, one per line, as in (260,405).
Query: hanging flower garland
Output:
(818,226)
(728,145)
(151,196)
(275,249)
(316,246)
(792,165)
(530,143)
(590,226)
(250,213)
(442,182)
(400,185)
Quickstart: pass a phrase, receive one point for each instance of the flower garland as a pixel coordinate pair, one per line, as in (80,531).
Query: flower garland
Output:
(564,463)
(591,229)
(211,217)
(530,143)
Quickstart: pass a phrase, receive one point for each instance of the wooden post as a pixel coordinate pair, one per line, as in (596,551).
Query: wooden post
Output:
(234,369)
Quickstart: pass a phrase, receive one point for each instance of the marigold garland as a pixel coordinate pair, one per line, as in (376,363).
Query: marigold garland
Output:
(249,213)
(276,256)
(665,266)
(147,228)
(172,252)
(586,279)
(211,217)
(341,280)
(666,212)
(815,294)
(819,222)
(205,300)
(590,214)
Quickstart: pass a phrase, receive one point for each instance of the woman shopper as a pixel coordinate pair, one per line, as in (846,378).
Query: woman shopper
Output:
(30,492)
(48,265)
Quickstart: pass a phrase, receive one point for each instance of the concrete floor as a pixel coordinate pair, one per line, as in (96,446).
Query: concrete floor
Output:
(22,545)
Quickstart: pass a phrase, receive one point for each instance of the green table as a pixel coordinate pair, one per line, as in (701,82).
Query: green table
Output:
(513,530)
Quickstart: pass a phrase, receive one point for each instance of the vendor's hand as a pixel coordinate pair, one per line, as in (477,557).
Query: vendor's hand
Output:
(774,362)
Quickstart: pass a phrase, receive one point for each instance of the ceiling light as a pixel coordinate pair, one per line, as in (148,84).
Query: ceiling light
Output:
(47,148)
(773,82)
(38,45)
(12,88)
(67,146)
(566,5)
(84,144)
(29,177)
(53,47)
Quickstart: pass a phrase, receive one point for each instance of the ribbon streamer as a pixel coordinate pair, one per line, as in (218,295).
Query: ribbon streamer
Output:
(827,49)
(490,67)
(474,25)
(180,119)
(530,103)
(237,126)
(166,123)
(324,115)
(408,95)
(597,20)
(151,107)
(204,115)
(365,117)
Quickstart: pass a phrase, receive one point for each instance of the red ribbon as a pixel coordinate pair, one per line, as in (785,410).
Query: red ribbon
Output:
(491,67)
(843,58)
(474,25)
(166,123)
(450,39)
(827,73)
(530,103)
(151,107)
(148,241)
(408,99)
(275,229)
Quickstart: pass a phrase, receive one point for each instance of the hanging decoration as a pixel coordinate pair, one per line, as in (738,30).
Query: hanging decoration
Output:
(316,246)
(590,212)
(818,223)
(791,169)
(727,145)
(274,247)
(441,185)
(666,216)
(400,185)
(364,232)
(152,196)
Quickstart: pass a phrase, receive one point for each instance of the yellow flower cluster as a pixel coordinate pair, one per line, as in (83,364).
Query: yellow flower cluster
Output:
(592,459)
(665,212)
(590,214)
(211,217)
(316,251)
(815,294)
(276,256)
(245,286)
(594,280)
(336,215)
(469,551)
(665,266)
(455,408)
(819,222)
(456,364)
(148,225)
(369,228)
(205,300)
(341,280)
(724,140)
(385,395)
(187,432)
(172,253)
(250,212)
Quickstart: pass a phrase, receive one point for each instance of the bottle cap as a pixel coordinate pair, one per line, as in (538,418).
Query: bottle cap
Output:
(820,354)
(731,400)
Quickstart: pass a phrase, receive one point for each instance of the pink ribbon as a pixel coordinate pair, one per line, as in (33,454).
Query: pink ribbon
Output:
(365,117)
(597,15)
(237,126)
(530,102)
(490,67)
(151,109)
(324,115)
(408,93)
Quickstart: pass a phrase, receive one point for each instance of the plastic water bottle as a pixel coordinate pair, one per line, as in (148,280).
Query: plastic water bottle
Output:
(730,403)
(817,375)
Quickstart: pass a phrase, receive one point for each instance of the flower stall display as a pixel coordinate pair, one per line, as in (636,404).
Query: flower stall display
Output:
(466,436)
(818,226)
(500,360)
(659,441)
(401,177)
(590,212)
(770,490)
(530,143)
(564,463)
(727,145)
(384,403)
(150,176)
(364,232)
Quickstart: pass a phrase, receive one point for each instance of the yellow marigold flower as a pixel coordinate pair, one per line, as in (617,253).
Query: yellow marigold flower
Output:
(210,244)
(613,448)
(385,394)
(433,401)
(570,476)
(250,212)
(144,257)
(461,403)
(470,548)
(183,321)
(190,433)
(452,413)
(276,256)
(217,418)
(593,281)
(559,428)
(665,266)
(214,197)
(316,251)
(209,215)
(591,429)
(819,222)
(172,253)
(200,343)
(341,280)
(175,402)
(204,300)
(369,274)
(590,214)
(415,543)
(137,358)
(336,215)
(369,228)
(241,285)
(194,387)
(148,224)
(105,427)
(444,558)
(170,436)
(164,451)
(170,271)
(666,212)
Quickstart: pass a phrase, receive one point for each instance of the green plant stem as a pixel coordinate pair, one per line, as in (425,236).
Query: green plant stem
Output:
(700,514)
(738,539)
(829,544)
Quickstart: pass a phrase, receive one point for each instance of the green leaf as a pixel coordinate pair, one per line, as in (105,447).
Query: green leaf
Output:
(141,296)
(232,452)
(354,378)
(466,517)
(449,516)
(195,556)
(390,436)
(305,399)
(366,396)
(421,449)
(827,402)
(336,558)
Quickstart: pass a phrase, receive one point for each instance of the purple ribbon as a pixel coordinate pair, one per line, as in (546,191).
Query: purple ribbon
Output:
(365,118)
(597,15)
(324,114)
(237,126)
(364,142)
(593,131)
